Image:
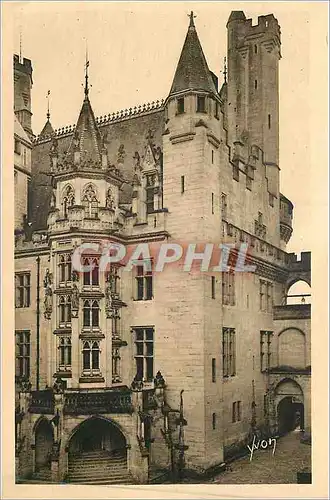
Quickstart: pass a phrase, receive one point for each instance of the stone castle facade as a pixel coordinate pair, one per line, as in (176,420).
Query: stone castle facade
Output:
(146,372)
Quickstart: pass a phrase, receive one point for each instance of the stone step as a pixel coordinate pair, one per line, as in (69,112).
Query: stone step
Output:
(89,472)
(97,459)
(122,480)
(85,465)
(106,470)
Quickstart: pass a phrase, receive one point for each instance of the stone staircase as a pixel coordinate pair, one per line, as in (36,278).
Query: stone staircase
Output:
(98,467)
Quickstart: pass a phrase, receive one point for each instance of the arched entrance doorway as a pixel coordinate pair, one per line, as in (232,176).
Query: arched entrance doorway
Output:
(44,439)
(97,453)
(290,415)
(289,399)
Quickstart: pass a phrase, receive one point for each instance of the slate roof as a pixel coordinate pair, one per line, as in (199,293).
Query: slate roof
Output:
(192,71)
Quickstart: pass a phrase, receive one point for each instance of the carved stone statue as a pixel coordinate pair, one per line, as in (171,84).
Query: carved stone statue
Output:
(54,146)
(110,202)
(75,297)
(48,302)
(121,154)
(137,161)
(75,140)
(48,280)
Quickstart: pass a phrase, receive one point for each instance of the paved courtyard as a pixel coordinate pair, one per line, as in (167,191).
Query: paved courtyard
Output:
(290,457)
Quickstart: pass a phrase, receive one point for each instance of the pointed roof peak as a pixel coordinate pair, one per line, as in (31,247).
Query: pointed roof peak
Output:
(191,22)
(192,72)
(48,128)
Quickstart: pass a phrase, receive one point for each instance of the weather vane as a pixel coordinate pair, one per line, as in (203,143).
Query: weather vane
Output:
(47,97)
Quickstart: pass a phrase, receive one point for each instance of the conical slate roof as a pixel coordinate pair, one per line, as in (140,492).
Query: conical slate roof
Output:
(47,130)
(86,137)
(192,71)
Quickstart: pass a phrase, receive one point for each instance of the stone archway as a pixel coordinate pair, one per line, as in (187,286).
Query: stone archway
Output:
(97,453)
(44,439)
(289,400)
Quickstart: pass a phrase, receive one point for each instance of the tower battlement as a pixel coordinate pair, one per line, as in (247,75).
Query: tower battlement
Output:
(24,67)
(244,28)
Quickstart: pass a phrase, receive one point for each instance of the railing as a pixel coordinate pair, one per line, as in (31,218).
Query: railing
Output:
(81,403)
(42,402)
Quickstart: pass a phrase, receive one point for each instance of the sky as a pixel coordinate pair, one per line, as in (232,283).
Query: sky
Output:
(133,49)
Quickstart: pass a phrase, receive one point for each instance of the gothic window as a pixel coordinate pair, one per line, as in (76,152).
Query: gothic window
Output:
(228,288)
(214,421)
(144,289)
(64,354)
(64,306)
(22,289)
(235,172)
(91,271)
(201,107)
(65,268)
(216,113)
(67,200)
(22,354)
(91,357)
(90,202)
(144,353)
(91,312)
(266,296)
(17,147)
(229,352)
(236,411)
(265,350)
(180,105)
(150,190)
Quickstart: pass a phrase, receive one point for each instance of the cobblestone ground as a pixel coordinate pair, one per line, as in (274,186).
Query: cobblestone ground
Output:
(290,457)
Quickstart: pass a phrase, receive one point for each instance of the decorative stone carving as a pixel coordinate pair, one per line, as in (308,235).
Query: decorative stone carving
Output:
(110,202)
(74,300)
(75,274)
(108,298)
(121,154)
(54,146)
(48,301)
(25,385)
(75,140)
(157,155)
(137,161)
(59,386)
(159,380)
(136,384)
(48,279)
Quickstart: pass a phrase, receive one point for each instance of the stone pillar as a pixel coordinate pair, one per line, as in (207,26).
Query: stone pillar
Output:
(75,349)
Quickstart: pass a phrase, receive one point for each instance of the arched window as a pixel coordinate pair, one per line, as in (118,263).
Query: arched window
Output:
(64,349)
(90,202)
(67,200)
(299,293)
(91,357)
(91,271)
(91,312)
(64,309)
(65,268)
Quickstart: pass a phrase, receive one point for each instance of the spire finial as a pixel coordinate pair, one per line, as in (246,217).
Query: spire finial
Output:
(86,72)
(48,112)
(20,44)
(225,69)
(191,16)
